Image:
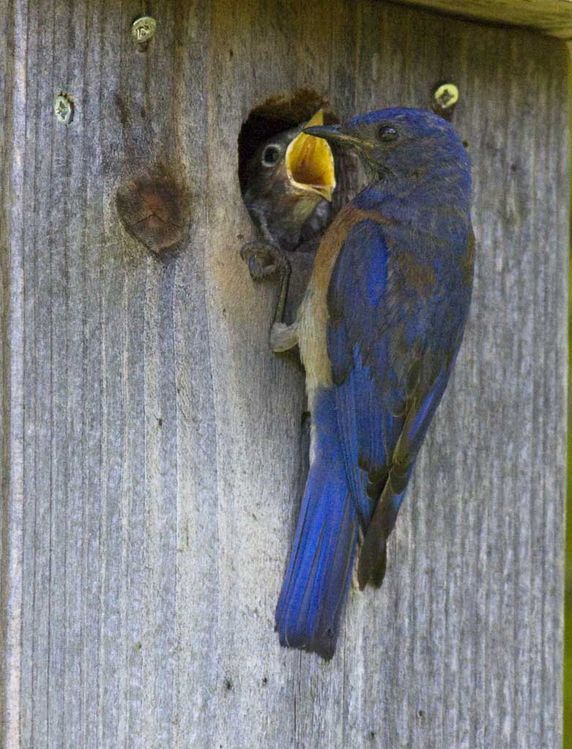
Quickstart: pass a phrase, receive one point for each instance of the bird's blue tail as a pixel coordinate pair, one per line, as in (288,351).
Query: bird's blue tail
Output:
(321,560)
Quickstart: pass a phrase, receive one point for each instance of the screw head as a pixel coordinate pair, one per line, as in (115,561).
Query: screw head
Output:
(446,96)
(143,29)
(63,108)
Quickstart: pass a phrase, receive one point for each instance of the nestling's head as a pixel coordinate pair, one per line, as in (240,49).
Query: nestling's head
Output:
(302,165)
(398,141)
(289,184)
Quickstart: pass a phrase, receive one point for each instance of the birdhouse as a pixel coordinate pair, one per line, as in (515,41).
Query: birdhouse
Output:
(154,449)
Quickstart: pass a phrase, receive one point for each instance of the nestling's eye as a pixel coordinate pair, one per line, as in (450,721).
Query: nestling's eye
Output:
(387,133)
(271,154)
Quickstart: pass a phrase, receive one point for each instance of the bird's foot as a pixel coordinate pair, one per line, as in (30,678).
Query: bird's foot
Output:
(264,260)
(283,337)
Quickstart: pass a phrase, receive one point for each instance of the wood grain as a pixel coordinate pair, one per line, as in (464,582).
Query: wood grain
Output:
(552,17)
(151,444)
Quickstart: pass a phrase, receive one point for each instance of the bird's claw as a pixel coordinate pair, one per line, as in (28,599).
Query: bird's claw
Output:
(263,260)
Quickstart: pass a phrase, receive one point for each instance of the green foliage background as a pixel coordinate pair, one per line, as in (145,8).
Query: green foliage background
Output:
(568,588)
(568,584)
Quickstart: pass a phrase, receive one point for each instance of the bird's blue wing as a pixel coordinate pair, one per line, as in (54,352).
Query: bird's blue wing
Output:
(387,380)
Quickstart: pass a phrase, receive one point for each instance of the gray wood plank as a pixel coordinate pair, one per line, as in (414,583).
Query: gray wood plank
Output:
(548,16)
(152,457)
(12,214)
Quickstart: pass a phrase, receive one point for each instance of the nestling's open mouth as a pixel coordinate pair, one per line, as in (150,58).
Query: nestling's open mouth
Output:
(310,162)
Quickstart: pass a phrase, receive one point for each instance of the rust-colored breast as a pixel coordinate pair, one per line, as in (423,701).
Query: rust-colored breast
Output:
(313,314)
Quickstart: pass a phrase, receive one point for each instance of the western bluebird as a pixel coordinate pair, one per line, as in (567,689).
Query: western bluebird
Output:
(379,329)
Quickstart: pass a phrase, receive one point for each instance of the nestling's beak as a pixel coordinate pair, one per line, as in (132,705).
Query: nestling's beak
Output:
(333,133)
(310,163)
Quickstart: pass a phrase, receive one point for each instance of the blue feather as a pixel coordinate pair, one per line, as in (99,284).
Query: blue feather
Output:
(321,560)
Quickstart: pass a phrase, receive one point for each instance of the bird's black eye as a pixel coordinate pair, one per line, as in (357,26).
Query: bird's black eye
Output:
(387,133)
(270,155)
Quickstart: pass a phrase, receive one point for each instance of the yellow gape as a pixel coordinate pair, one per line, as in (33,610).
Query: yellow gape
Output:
(310,162)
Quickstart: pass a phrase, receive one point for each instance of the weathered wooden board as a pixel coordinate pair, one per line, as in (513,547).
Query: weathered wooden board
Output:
(151,443)
(549,16)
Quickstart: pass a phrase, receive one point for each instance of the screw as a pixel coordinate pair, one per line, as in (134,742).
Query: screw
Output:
(63,108)
(445,97)
(143,29)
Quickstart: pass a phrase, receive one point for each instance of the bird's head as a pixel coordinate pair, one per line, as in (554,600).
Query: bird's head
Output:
(399,142)
(305,165)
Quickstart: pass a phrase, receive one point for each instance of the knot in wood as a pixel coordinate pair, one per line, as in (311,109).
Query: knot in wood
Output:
(154,208)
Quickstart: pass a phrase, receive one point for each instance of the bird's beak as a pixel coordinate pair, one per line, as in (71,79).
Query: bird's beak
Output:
(334,133)
(310,163)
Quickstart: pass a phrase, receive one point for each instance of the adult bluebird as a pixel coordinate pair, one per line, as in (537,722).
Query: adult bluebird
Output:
(379,329)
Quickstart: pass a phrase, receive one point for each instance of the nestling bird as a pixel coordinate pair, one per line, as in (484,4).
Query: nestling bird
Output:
(379,329)
(289,182)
